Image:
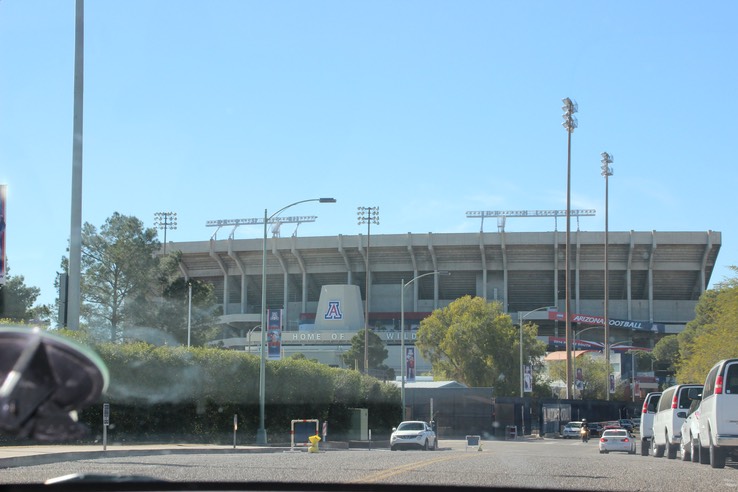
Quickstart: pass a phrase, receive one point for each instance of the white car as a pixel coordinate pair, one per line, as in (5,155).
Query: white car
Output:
(413,434)
(689,446)
(617,440)
(572,429)
(670,415)
(718,423)
(650,405)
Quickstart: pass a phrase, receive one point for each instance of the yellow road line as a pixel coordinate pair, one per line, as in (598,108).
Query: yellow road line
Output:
(397,470)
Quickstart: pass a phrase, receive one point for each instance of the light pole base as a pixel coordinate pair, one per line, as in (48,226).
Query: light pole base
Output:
(261,437)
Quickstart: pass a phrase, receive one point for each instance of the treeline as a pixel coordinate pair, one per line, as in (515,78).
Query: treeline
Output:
(191,394)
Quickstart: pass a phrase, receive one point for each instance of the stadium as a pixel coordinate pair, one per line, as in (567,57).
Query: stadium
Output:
(655,280)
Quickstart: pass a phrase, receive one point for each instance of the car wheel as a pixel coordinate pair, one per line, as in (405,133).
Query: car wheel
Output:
(435,445)
(684,452)
(717,456)
(602,451)
(644,447)
(671,451)
(393,448)
(658,451)
(694,449)
(425,446)
(703,454)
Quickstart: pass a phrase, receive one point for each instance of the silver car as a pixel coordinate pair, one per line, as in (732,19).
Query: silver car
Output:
(572,429)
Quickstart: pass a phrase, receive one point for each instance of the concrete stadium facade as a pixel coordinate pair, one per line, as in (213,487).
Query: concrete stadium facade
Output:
(655,277)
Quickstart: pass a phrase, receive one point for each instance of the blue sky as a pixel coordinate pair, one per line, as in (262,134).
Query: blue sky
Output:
(427,109)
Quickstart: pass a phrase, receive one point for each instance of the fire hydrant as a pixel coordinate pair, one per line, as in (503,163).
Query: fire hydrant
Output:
(314,440)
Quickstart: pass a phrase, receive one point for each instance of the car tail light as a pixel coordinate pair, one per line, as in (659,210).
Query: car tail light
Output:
(675,400)
(626,440)
(719,385)
(645,406)
(602,439)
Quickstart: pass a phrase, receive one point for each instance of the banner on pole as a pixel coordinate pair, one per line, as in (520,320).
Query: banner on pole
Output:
(274,334)
(528,379)
(410,364)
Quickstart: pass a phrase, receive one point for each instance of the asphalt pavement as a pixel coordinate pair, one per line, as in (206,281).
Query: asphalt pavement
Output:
(12,456)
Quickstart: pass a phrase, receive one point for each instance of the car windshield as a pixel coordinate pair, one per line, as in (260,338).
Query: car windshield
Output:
(411,426)
(246,241)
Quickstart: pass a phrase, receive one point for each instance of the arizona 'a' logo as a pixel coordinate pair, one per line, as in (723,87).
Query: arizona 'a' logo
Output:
(334,310)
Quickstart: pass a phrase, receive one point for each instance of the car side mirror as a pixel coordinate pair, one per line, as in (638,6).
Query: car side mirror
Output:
(394,429)
(682,415)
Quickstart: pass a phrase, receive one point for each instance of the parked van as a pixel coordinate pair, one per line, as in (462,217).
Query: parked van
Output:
(650,404)
(719,413)
(670,414)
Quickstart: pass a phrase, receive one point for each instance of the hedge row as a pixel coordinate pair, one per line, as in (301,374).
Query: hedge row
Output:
(165,394)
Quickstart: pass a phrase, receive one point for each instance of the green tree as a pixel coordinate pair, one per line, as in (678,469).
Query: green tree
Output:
(16,299)
(161,313)
(118,263)
(711,336)
(474,342)
(377,352)
(666,354)
(594,373)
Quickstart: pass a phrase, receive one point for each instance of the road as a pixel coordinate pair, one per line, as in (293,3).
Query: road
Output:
(552,464)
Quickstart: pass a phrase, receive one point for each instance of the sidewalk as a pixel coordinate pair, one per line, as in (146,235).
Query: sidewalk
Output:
(12,456)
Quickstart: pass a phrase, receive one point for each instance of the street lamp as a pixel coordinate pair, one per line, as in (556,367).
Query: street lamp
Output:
(248,337)
(606,172)
(367,215)
(403,284)
(632,363)
(521,317)
(165,220)
(570,123)
(261,436)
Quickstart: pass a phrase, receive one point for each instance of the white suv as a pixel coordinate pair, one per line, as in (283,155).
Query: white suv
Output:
(719,413)
(413,434)
(670,415)
(650,405)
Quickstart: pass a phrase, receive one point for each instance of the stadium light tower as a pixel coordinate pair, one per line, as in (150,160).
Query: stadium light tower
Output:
(606,172)
(570,123)
(368,216)
(165,220)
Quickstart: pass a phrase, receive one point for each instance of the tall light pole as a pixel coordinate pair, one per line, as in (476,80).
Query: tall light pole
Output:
(165,220)
(607,172)
(367,215)
(189,310)
(404,284)
(521,317)
(74,296)
(570,123)
(261,435)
